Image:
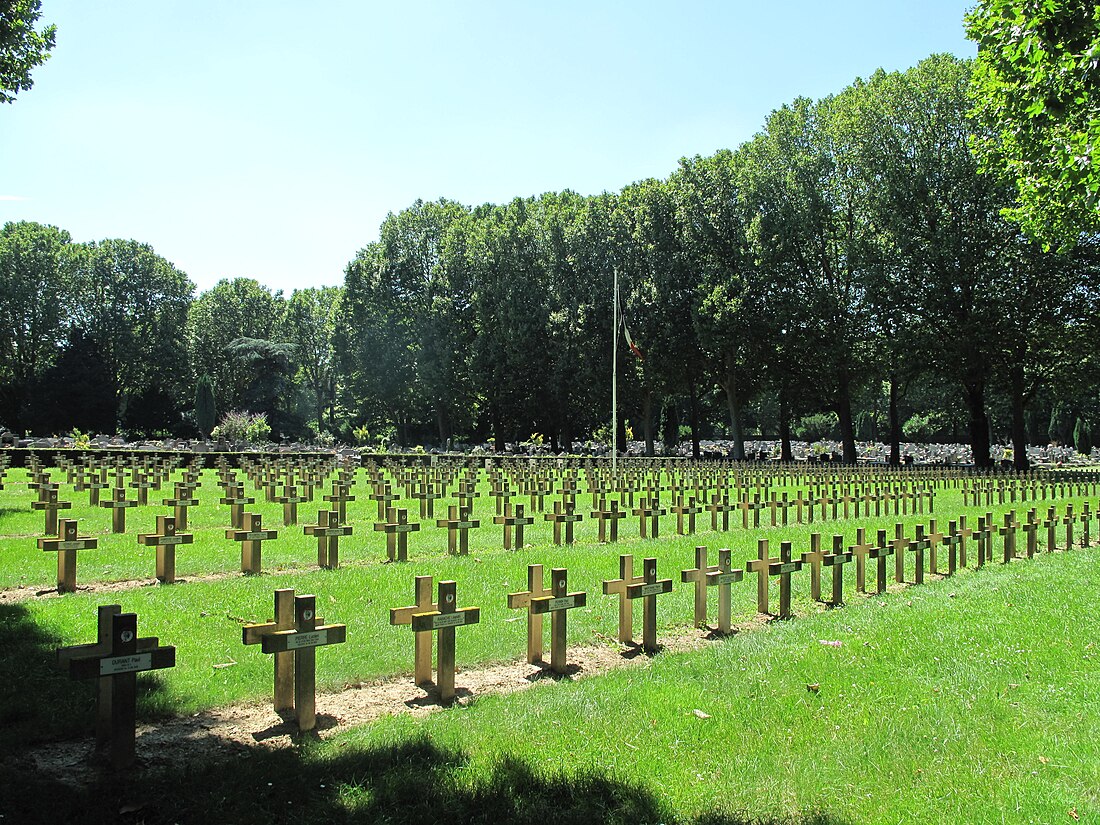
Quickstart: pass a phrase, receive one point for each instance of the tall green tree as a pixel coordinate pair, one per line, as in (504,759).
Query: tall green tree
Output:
(206,410)
(1036,87)
(810,232)
(310,327)
(231,309)
(943,223)
(35,313)
(731,321)
(22,46)
(133,304)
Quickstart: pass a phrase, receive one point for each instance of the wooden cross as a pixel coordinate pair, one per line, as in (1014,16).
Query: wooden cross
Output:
(689,510)
(1008,535)
(648,590)
(1031,532)
(760,566)
(397,529)
(722,578)
(383,496)
(649,514)
(93,485)
(513,519)
(861,550)
(340,496)
(422,642)
(720,506)
(327,531)
(557,603)
(118,506)
(444,620)
(900,544)
(236,499)
(800,503)
(1051,524)
(755,507)
(952,541)
(918,545)
(297,645)
(522,601)
(783,567)
(49,503)
(115,659)
(935,539)
(65,545)
(814,558)
(610,514)
(251,536)
(290,501)
(617,587)
(165,540)
(458,524)
(143,486)
(427,494)
(1068,520)
(180,502)
(698,576)
(880,552)
(836,560)
(1085,518)
(964,534)
(985,538)
(563,517)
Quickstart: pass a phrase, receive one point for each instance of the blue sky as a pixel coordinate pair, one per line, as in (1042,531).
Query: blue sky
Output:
(269,139)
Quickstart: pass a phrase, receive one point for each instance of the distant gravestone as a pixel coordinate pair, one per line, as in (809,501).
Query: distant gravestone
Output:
(165,540)
(66,546)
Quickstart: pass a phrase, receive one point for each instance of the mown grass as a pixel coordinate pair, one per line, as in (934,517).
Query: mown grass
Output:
(203,619)
(971,699)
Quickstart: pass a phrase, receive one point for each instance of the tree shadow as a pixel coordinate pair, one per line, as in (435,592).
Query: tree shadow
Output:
(414,781)
(38,700)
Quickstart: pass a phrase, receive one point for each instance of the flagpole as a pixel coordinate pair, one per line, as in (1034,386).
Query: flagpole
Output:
(614,372)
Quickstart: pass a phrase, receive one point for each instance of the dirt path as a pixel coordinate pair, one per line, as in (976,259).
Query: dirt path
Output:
(235,730)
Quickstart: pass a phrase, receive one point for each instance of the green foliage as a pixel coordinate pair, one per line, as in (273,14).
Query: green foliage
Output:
(1037,93)
(243,427)
(816,427)
(81,441)
(206,412)
(22,47)
(1082,437)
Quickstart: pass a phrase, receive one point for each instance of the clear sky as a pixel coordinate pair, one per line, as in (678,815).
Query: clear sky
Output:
(268,139)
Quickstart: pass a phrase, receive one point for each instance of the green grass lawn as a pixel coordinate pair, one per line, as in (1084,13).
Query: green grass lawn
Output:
(967,700)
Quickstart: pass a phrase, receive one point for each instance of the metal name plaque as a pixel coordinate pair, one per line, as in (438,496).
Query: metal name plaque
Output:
(315,638)
(126,664)
(650,590)
(729,578)
(562,603)
(448,620)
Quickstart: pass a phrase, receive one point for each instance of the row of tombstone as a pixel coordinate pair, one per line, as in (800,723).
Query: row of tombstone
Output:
(295,632)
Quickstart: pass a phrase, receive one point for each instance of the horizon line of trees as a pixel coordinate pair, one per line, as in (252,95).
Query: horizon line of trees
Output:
(846,273)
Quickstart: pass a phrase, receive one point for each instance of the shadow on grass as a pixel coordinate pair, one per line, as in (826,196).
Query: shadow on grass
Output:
(411,782)
(38,700)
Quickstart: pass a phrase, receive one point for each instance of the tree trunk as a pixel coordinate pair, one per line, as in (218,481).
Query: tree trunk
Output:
(647,420)
(1019,423)
(895,424)
(785,453)
(844,414)
(694,421)
(670,429)
(733,400)
(974,391)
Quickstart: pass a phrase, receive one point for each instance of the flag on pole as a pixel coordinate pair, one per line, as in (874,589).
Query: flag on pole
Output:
(629,339)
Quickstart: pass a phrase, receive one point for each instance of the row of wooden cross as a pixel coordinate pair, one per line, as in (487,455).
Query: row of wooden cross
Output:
(295,632)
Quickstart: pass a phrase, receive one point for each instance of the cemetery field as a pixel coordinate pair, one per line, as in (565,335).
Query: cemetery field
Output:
(970,698)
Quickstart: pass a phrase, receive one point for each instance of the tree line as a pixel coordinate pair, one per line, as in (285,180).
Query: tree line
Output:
(848,272)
